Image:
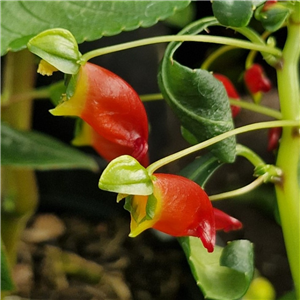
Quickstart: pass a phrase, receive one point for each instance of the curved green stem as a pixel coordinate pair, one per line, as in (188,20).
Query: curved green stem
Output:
(262,125)
(288,193)
(241,191)
(182,38)
(250,155)
(211,58)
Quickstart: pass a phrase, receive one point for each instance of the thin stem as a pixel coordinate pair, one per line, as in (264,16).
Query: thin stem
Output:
(261,125)
(212,58)
(247,105)
(257,108)
(181,38)
(243,190)
(250,155)
(42,93)
(151,97)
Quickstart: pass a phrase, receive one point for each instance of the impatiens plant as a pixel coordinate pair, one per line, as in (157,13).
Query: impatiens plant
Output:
(110,117)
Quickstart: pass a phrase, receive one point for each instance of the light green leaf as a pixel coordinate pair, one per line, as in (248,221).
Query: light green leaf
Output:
(87,20)
(58,47)
(34,150)
(6,279)
(219,282)
(126,175)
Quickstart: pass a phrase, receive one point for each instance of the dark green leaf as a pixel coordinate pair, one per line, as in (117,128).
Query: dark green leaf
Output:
(37,151)
(273,18)
(216,281)
(238,255)
(126,175)
(198,99)
(87,20)
(234,13)
(201,168)
(289,296)
(6,280)
(58,47)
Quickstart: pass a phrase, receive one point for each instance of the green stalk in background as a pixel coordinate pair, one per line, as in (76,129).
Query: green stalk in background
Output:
(19,188)
(288,193)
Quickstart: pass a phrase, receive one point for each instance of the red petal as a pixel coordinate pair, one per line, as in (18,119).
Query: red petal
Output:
(226,222)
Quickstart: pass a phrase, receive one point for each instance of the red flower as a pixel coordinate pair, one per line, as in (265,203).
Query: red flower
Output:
(112,108)
(179,207)
(231,92)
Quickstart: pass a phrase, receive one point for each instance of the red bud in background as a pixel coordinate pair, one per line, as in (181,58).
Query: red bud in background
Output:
(256,80)
(273,137)
(231,92)
(112,108)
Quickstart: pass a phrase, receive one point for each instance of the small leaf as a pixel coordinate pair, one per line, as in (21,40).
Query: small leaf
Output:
(220,282)
(238,255)
(273,18)
(234,13)
(6,279)
(125,175)
(58,47)
(37,151)
(198,99)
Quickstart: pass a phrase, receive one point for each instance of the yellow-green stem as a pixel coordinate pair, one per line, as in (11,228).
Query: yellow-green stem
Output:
(19,188)
(288,193)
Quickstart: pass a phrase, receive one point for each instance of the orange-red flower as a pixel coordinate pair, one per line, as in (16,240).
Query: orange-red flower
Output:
(179,207)
(113,110)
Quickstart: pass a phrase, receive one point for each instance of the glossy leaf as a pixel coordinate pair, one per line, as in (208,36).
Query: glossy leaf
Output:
(219,282)
(272,18)
(6,279)
(38,151)
(199,100)
(58,47)
(125,175)
(87,20)
(235,13)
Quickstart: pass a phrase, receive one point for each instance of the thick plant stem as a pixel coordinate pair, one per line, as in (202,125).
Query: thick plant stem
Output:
(288,193)
(19,188)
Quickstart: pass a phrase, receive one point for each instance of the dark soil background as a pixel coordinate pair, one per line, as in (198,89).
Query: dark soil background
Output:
(77,244)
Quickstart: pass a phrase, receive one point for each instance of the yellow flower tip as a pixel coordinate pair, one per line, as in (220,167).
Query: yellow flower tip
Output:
(121,197)
(137,228)
(45,68)
(67,107)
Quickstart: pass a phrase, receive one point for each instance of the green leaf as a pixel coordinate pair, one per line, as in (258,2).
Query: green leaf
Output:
(234,13)
(201,168)
(198,99)
(6,280)
(87,20)
(37,151)
(273,18)
(217,281)
(126,175)
(58,47)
